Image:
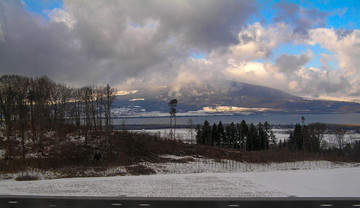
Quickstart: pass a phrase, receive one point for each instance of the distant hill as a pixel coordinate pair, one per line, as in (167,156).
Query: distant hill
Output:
(234,95)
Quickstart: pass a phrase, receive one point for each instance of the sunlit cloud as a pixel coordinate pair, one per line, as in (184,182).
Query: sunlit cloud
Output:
(132,44)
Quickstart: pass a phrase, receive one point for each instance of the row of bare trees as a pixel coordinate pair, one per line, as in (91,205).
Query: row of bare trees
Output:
(31,104)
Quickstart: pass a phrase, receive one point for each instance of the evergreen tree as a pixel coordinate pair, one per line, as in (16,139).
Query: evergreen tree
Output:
(199,138)
(206,133)
(296,139)
(252,142)
(273,141)
(243,129)
(307,139)
(215,136)
(230,134)
(221,133)
(263,138)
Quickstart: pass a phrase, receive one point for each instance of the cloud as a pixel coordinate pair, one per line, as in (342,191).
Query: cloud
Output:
(344,44)
(61,16)
(305,81)
(134,43)
(94,41)
(34,47)
(289,71)
(346,49)
(255,73)
(289,63)
(301,18)
(256,41)
(314,82)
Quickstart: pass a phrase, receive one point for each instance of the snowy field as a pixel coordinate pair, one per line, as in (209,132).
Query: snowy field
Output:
(339,182)
(205,178)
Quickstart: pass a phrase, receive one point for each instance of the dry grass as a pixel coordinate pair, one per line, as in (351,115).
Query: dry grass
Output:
(140,170)
(129,149)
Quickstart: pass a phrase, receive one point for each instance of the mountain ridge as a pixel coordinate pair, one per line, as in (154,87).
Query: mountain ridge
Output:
(239,95)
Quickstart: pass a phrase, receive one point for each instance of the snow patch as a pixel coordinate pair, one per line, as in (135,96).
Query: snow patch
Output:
(137,99)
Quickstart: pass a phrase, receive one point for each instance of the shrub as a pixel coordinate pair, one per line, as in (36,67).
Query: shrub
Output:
(140,170)
(27,178)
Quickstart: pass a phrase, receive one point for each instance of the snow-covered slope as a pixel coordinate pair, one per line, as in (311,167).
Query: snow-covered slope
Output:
(207,178)
(342,182)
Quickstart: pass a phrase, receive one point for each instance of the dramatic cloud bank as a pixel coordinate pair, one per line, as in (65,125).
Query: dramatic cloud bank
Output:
(135,43)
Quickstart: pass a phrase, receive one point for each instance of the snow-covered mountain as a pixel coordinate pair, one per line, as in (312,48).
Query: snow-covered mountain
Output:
(226,97)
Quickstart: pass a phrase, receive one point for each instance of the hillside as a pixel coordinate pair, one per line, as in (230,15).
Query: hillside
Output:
(236,97)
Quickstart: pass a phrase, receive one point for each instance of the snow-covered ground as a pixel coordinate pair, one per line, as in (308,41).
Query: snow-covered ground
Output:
(202,165)
(204,178)
(349,137)
(193,165)
(340,182)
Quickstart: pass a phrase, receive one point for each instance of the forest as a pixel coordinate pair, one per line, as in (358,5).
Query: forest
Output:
(249,137)
(29,107)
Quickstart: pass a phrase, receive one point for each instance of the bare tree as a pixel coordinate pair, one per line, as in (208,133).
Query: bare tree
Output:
(21,93)
(31,101)
(93,108)
(65,94)
(109,99)
(86,99)
(339,137)
(42,92)
(100,94)
(76,106)
(35,104)
(7,103)
(316,131)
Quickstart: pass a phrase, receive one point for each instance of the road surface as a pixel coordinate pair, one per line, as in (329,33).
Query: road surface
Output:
(112,202)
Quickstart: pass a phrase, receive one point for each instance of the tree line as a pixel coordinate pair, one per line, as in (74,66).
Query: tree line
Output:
(305,138)
(31,104)
(241,136)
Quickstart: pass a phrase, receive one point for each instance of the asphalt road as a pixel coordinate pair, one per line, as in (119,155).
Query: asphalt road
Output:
(104,202)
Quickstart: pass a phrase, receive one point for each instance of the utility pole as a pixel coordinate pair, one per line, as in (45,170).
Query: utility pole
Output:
(191,127)
(172,104)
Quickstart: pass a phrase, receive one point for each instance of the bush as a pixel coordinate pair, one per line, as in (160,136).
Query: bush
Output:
(27,178)
(140,170)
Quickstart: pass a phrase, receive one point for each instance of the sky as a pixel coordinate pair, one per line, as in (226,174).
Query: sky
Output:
(306,48)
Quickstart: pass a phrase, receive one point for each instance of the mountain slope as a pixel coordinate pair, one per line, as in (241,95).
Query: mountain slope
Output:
(232,94)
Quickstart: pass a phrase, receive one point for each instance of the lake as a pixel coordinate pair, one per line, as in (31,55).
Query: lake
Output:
(275,119)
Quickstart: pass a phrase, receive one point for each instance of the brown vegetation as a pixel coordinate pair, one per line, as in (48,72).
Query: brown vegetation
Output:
(27,178)
(140,170)
(129,149)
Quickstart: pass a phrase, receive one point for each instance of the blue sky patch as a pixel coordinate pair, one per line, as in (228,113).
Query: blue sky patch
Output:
(297,49)
(342,14)
(198,55)
(42,6)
